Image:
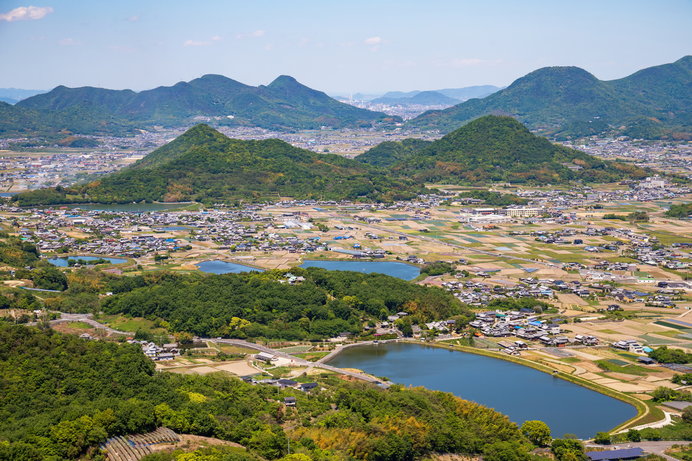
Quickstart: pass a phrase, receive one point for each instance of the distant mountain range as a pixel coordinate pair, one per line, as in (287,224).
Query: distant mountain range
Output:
(423,98)
(493,148)
(206,166)
(283,104)
(569,102)
(14,95)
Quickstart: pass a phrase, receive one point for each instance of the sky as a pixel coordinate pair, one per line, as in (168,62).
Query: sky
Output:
(337,46)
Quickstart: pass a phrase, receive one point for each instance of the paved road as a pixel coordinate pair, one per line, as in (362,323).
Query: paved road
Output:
(296,360)
(87,318)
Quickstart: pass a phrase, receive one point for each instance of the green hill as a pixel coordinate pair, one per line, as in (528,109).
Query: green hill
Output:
(206,166)
(283,104)
(493,148)
(568,101)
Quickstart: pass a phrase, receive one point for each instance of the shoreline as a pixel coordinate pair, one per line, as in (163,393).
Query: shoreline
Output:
(639,405)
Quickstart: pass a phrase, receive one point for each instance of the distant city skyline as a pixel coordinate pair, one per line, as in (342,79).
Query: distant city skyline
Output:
(336,47)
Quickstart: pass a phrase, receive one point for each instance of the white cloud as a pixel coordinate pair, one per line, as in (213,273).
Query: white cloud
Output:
(373,41)
(68,42)
(255,34)
(196,43)
(26,12)
(209,42)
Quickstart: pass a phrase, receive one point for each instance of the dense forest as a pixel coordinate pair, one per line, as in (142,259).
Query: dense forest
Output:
(262,305)
(681,210)
(206,166)
(494,148)
(60,396)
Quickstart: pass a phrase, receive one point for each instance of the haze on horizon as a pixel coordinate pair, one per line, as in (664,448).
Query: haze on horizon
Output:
(337,47)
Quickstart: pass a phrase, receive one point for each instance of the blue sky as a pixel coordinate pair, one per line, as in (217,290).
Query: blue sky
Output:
(335,46)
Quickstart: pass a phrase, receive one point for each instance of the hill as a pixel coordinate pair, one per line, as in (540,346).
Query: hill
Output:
(569,102)
(493,148)
(206,166)
(283,104)
(63,396)
(14,95)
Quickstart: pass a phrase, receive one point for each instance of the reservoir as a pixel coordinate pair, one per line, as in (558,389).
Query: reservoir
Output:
(519,392)
(395,269)
(223,267)
(62,262)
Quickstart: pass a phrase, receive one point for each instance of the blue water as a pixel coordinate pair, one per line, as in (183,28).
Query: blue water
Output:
(395,269)
(173,228)
(520,392)
(223,267)
(62,262)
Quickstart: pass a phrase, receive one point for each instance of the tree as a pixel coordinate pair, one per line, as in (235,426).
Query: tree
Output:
(687,414)
(506,451)
(634,435)
(537,432)
(602,438)
(568,450)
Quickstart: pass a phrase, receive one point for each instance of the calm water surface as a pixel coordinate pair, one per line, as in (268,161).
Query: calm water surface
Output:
(520,392)
(395,269)
(62,262)
(223,267)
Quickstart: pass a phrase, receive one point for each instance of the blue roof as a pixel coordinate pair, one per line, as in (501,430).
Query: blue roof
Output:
(624,453)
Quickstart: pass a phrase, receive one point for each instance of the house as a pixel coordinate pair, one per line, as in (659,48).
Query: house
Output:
(646,360)
(615,455)
(265,357)
(290,401)
(283,383)
(307,387)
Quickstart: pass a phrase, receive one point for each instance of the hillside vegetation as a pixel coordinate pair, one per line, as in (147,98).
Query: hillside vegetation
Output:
(493,148)
(61,396)
(206,166)
(259,305)
(570,102)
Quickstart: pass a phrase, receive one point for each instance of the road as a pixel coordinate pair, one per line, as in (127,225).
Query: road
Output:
(87,318)
(295,360)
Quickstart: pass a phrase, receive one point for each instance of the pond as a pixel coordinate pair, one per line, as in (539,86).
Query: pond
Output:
(395,269)
(520,392)
(224,267)
(63,261)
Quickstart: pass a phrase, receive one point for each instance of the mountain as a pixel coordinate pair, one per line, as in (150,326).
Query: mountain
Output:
(423,98)
(14,95)
(204,165)
(446,96)
(284,104)
(570,102)
(493,148)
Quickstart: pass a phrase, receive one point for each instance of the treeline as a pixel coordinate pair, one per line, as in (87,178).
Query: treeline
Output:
(664,354)
(682,210)
(264,305)
(61,396)
(494,198)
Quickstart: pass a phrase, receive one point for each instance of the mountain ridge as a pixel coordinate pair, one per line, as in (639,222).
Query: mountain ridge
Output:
(284,104)
(567,101)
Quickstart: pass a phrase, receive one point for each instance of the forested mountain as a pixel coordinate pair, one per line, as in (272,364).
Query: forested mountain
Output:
(283,104)
(206,166)
(569,101)
(493,148)
(61,396)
